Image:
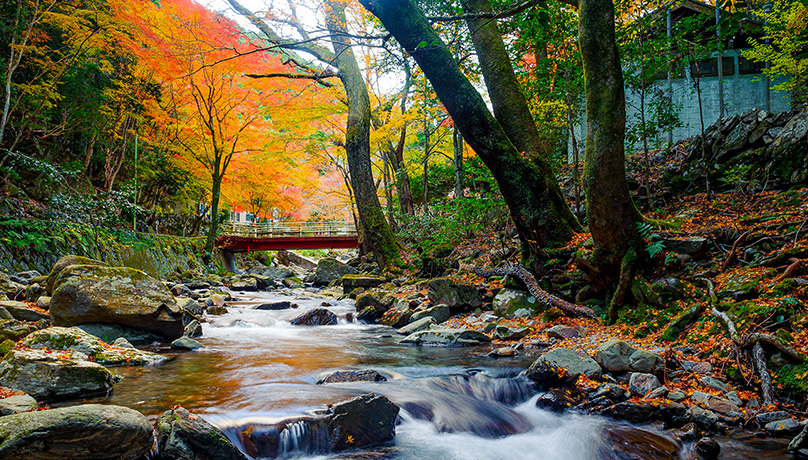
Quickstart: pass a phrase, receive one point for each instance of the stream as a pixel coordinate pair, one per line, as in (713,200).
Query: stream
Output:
(456,403)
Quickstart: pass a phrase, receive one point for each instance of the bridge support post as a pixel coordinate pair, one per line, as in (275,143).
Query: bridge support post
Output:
(228,260)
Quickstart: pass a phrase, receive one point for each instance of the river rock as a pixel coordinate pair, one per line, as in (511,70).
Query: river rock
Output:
(276,273)
(630,443)
(703,418)
(699,367)
(186,343)
(446,336)
(365,420)
(117,295)
(282,305)
(17,405)
(502,352)
(786,426)
(646,362)
(33,292)
(562,365)
(396,318)
(193,329)
(641,384)
(372,304)
(613,391)
(508,333)
(614,355)
(714,384)
(707,448)
(330,269)
(14,330)
(456,295)
(562,332)
(57,375)
(181,290)
(439,312)
(556,400)
(415,326)
(645,411)
(800,441)
(90,431)
(315,317)
(182,435)
(75,339)
(21,312)
(248,283)
(767,417)
(65,262)
(364,375)
(4,314)
(111,332)
(351,282)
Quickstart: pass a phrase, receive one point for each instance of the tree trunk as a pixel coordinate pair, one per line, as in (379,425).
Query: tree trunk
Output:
(215,193)
(402,175)
(610,211)
(458,162)
(357,140)
(541,215)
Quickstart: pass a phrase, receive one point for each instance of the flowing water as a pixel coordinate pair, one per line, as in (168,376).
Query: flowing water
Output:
(456,403)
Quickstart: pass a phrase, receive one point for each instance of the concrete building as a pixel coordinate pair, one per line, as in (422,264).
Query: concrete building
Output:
(736,86)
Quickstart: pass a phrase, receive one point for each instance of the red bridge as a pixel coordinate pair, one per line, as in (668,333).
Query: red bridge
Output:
(268,236)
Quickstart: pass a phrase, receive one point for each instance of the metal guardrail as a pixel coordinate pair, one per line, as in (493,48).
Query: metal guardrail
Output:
(287,229)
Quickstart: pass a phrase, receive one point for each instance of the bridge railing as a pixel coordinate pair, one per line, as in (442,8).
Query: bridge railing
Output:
(287,229)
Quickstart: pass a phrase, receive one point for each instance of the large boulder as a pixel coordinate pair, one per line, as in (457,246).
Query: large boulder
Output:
(22,312)
(330,269)
(54,375)
(372,304)
(363,421)
(619,356)
(75,339)
(315,317)
(455,294)
(351,282)
(508,301)
(182,435)
(415,326)
(91,431)
(65,262)
(562,365)
(440,312)
(118,295)
(109,333)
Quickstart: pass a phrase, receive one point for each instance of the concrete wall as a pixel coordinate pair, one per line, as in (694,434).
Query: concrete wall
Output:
(741,94)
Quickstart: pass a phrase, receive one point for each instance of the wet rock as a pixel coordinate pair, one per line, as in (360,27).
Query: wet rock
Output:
(122,343)
(456,295)
(768,417)
(562,365)
(687,433)
(508,301)
(641,384)
(786,426)
(15,330)
(117,295)
(396,318)
(446,336)
(724,407)
(21,312)
(658,393)
(276,273)
(185,436)
(351,282)
(440,312)
(373,304)
(641,412)
(193,329)
(190,306)
(614,392)
(248,284)
(330,269)
(415,326)
(65,262)
(562,332)
(186,343)
(364,375)
(365,420)
(282,305)
(634,444)
(90,431)
(556,400)
(800,441)
(293,282)
(111,332)
(75,339)
(508,333)
(216,300)
(315,317)
(49,376)
(703,418)
(216,310)
(707,449)
(677,395)
(502,352)
(17,405)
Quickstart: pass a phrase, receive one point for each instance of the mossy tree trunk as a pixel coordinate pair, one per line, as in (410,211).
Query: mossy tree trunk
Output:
(357,139)
(529,188)
(610,210)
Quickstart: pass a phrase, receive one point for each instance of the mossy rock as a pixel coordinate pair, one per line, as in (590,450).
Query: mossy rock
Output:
(791,378)
(65,262)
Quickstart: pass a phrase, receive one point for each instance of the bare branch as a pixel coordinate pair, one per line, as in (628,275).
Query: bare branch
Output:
(512,11)
(319,77)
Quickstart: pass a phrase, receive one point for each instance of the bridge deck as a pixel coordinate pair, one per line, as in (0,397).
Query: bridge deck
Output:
(267,236)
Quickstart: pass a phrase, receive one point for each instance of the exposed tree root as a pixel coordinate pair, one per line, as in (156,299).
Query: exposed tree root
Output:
(765,378)
(732,252)
(627,266)
(791,270)
(542,296)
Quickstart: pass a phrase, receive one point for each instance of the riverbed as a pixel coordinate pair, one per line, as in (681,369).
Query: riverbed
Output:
(456,403)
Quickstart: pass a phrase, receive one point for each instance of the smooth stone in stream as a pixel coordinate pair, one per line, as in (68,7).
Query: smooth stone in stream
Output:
(415,326)
(75,339)
(446,336)
(315,317)
(51,376)
(364,375)
(186,343)
(182,435)
(628,443)
(91,431)
(562,365)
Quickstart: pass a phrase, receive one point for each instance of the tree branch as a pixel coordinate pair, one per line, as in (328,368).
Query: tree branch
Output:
(512,11)
(319,77)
